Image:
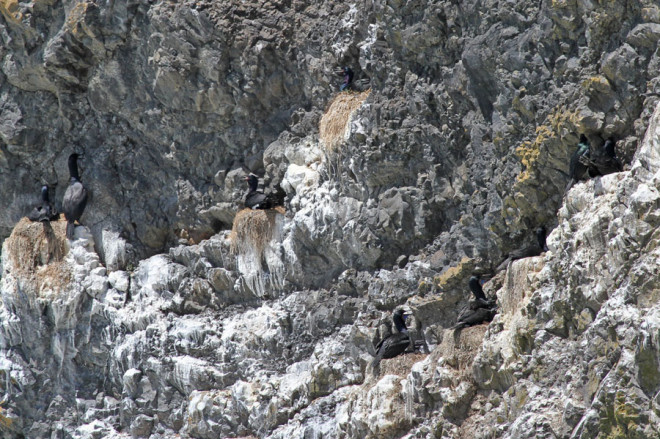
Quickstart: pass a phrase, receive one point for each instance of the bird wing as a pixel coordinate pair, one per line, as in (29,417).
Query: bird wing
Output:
(254,200)
(394,345)
(74,201)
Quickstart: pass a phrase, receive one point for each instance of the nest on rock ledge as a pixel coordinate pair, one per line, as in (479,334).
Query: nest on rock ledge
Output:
(337,117)
(37,250)
(253,229)
(460,349)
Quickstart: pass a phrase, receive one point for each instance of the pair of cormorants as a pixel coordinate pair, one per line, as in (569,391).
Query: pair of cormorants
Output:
(256,199)
(585,162)
(480,310)
(73,203)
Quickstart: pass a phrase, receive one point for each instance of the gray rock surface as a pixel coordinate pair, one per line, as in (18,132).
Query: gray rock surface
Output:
(158,322)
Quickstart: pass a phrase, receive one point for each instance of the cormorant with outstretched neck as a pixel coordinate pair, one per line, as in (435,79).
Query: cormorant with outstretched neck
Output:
(75,197)
(258,200)
(45,211)
(577,169)
(394,344)
(534,249)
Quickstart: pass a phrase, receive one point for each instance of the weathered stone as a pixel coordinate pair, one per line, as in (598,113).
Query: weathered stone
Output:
(156,321)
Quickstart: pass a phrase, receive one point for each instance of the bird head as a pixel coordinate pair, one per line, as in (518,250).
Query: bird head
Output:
(253,181)
(400,316)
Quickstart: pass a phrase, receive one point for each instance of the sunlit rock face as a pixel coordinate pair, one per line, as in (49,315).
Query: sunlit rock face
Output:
(177,313)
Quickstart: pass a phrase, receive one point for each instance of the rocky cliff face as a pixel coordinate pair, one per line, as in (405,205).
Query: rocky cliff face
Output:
(175,313)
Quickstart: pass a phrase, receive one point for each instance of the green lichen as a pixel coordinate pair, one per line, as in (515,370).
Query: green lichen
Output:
(620,419)
(647,366)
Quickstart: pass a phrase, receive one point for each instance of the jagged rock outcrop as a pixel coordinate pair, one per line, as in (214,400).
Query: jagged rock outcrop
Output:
(157,321)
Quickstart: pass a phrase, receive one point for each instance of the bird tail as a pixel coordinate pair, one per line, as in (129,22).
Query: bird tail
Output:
(275,198)
(70,227)
(570,184)
(375,365)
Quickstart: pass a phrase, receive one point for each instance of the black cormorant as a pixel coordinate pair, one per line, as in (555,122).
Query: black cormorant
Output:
(534,249)
(475,286)
(75,197)
(577,169)
(605,161)
(45,211)
(475,316)
(479,310)
(394,344)
(258,200)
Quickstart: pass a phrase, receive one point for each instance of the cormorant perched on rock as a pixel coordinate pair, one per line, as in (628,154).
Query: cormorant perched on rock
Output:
(577,169)
(604,161)
(394,344)
(45,211)
(475,287)
(534,249)
(258,200)
(479,310)
(75,197)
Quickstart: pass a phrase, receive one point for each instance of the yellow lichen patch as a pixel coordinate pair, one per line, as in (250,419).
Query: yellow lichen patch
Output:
(598,84)
(37,251)
(336,118)
(451,277)
(560,4)
(559,122)
(9,10)
(75,21)
(5,421)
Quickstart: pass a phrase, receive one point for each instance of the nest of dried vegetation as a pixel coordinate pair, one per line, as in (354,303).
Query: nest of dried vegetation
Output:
(400,365)
(460,348)
(253,229)
(37,251)
(333,123)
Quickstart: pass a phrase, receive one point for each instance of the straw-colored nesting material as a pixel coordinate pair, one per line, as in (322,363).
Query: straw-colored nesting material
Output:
(37,251)
(253,229)
(400,365)
(333,123)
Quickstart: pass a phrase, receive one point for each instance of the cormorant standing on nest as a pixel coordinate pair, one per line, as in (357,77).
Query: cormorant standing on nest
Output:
(45,211)
(534,249)
(258,200)
(479,310)
(394,344)
(75,197)
(577,169)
